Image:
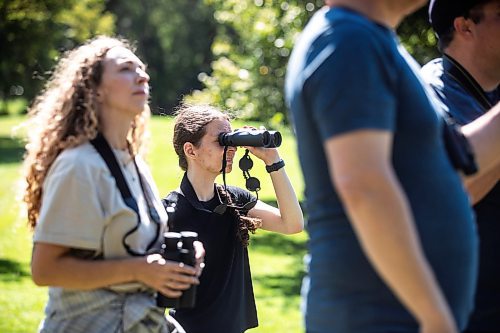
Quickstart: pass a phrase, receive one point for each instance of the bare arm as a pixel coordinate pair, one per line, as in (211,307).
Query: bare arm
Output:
(482,184)
(52,265)
(288,219)
(361,170)
(484,136)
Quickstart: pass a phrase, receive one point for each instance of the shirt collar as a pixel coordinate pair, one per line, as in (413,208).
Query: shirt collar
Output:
(189,193)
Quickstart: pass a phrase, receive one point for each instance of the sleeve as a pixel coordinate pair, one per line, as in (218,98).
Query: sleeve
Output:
(242,198)
(353,88)
(70,214)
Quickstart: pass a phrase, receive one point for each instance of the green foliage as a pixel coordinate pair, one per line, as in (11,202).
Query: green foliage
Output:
(12,106)
(86,19)
(33,31)
(253,43)
(174,38)
(418,37)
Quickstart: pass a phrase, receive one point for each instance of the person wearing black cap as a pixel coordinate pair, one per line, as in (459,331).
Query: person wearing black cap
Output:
(467,80)
(392,240)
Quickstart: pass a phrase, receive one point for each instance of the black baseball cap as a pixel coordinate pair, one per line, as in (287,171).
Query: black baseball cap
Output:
(442,13)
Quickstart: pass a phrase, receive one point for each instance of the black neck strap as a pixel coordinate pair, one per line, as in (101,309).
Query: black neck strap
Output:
(104,149)
(460,74)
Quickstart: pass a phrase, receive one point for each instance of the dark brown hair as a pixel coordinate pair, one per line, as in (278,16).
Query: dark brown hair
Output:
(190,126)
(246,223)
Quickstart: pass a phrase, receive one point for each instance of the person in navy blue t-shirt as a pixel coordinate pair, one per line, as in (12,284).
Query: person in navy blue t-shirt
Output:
(393,245)
(467,79)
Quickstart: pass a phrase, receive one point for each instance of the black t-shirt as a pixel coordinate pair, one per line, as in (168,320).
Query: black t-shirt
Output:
(225,300)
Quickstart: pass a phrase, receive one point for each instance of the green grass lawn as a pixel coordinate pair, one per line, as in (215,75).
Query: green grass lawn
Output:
(276,260)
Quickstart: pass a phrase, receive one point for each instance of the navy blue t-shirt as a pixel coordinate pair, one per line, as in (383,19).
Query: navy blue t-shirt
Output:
(464,108)
(224,298)
(348,73)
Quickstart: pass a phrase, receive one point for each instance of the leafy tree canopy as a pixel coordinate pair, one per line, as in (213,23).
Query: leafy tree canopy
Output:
(32,34)
(251,49)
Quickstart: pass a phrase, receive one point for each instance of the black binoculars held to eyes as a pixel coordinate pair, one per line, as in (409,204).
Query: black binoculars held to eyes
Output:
(251,137)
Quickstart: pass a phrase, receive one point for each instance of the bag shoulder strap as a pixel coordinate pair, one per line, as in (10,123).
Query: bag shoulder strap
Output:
(103,148)
(460,74)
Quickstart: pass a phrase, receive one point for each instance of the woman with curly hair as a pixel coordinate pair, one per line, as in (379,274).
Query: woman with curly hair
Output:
(223,217)
(92,246)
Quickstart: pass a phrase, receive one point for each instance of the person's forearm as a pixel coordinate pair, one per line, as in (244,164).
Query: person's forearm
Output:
(383,222)
(52,265)
(289,207)
(75,273)
(484,136)
(478,187)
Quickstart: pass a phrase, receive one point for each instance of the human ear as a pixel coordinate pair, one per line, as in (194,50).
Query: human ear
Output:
(463,26)
(189,150)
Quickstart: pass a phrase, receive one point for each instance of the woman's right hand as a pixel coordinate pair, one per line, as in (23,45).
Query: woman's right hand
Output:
(168,277)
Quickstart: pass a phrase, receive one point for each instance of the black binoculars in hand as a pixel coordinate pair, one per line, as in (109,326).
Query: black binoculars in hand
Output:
(251,137)
(179,247)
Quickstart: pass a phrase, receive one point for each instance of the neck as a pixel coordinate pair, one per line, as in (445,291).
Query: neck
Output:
(203,183)
(378,11)
(115,129)
(488,77)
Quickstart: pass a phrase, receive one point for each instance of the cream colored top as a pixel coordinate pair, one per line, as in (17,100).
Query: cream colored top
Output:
(82,207)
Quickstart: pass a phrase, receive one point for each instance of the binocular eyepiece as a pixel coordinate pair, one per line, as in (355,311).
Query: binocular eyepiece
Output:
(179,247)
(251,137)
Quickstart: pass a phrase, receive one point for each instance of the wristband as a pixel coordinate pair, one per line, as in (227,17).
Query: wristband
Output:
(275,166)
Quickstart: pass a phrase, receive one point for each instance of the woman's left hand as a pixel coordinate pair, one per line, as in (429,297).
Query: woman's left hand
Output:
(267,155)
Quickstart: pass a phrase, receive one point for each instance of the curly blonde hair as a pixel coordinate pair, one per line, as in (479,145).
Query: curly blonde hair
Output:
(66,114)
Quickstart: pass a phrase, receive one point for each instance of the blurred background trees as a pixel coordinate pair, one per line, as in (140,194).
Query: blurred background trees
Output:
(254,40)
(232,53)
(174,38)
(34,32)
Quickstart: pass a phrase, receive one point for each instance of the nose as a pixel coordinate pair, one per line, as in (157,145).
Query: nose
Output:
(142,76)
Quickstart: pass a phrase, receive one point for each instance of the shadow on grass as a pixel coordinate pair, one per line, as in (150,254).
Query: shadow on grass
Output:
(285,284)
(11,150)
(12,271)
(273,242)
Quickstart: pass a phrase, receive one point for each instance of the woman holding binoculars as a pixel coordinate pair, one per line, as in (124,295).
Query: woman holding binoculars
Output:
(91,246)
(223,217)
